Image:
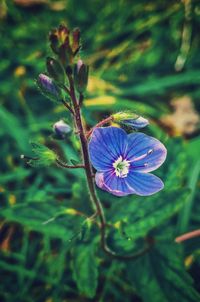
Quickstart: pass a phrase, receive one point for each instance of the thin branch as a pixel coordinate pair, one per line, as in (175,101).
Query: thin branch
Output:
(68,107)
(66,89)
(58,162)
(187,236)
(64,165)
(103,122)
(22,156)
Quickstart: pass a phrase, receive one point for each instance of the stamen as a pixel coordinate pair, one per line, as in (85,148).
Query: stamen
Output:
(149,152)
(121,167)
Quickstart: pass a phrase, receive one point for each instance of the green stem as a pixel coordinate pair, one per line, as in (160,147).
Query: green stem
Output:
(64,165)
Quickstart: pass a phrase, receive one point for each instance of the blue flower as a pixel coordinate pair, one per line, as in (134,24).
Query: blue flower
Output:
(123,161)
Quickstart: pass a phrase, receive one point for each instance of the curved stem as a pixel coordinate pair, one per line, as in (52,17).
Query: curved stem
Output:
(187,236)
(90,179)
(103,122)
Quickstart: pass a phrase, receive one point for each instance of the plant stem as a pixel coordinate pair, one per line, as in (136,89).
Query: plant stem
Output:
(63,165)
(187,236)
(68,107)
(103,122)
(90,179)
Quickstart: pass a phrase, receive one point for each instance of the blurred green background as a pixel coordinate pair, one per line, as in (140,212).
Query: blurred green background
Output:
(144,57)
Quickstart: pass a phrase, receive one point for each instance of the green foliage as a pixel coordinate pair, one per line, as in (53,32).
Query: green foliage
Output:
(46,217)
(160,275)
(48,252)
(145,215)
(85,267)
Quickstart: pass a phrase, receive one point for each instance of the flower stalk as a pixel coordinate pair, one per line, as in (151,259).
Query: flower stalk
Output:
(187,236)
(101,123)
(97,206)
(68,75)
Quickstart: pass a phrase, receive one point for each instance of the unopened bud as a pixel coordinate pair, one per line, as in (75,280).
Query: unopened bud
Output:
(81,71)
(130,119)
(65,44)
(54,42)
(76,40)
(55,70)
(48,87)
(61,129)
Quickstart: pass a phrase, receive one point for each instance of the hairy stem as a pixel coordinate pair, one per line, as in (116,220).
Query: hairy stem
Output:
(64,165)
(90,178)
(68,107)
(103,122)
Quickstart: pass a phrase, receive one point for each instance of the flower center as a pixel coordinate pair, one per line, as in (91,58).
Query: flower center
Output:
(121,167)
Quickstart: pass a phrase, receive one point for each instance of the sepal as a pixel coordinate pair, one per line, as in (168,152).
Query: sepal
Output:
(44,155)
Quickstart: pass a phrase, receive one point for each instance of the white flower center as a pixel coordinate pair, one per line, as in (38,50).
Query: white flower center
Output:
(121,167)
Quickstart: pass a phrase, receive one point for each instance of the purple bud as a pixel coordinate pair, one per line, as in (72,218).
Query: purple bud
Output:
(130,119)
(137,123)
(61,128)
(48,87)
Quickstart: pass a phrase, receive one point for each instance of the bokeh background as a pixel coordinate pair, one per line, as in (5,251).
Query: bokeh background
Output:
(144,57)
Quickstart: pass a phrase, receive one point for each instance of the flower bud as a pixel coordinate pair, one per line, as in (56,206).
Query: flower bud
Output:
(55,70)
(61,129)
(48,87)
(65,44)
(81,76)
(130,119)
(54,43)
(76,40)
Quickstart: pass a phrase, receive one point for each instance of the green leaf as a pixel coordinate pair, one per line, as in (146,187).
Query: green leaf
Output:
(160,276)
(85,269)
(153,214)
(143,215)
(158,85)
(48,218)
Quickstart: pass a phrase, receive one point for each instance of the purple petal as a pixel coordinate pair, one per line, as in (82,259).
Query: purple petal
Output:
(105,146)
(145,152)
(115,185)
(144,184)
